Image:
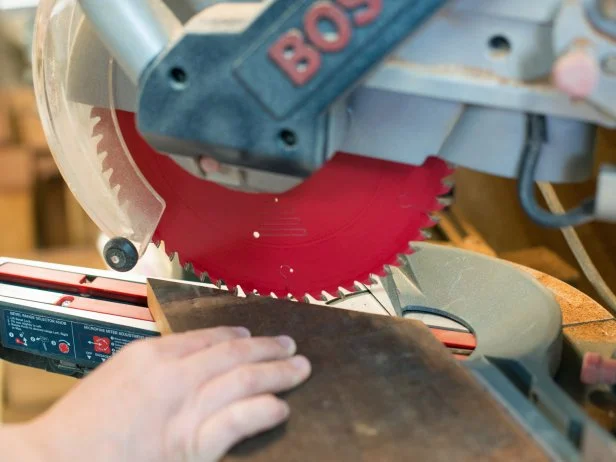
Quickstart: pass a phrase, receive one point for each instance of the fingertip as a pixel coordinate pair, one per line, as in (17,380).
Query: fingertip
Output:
(301,363)
(287,343)
(283,409)
(238,421)
(273,410)
(241,331)
(303,368)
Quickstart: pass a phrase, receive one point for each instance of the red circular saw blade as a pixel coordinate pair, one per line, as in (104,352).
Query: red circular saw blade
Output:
(341,225)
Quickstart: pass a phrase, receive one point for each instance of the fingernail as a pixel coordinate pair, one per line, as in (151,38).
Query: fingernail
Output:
(301,363)
(286,409)
(287,343)
(242,331)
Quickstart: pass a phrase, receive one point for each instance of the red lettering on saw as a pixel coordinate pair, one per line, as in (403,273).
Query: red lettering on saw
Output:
(370,10)
(327,12)
(300,59)
(295,57)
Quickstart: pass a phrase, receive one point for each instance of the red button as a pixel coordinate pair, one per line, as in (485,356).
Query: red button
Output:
(102,345)
(64,348)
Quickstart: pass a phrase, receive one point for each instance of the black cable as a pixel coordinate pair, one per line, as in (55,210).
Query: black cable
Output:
(536,136)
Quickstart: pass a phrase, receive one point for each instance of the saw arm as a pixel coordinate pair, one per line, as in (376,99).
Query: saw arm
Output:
(321,120)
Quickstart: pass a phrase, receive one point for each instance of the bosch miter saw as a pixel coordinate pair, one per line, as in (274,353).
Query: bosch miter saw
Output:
(298,149)
(293,147)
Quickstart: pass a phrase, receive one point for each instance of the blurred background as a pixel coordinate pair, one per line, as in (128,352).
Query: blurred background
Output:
(39,217)
(41,220)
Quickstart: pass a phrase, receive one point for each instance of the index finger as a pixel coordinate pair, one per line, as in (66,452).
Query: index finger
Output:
(186,343)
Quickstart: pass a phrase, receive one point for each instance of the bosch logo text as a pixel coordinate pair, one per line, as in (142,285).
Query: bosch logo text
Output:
(298,53)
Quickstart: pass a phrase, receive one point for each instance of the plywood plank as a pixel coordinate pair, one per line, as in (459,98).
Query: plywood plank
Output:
(382,388)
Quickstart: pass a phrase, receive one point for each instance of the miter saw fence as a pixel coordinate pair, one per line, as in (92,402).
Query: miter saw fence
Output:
(320,117)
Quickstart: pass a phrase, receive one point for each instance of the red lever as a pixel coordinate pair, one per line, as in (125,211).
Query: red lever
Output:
(452,339)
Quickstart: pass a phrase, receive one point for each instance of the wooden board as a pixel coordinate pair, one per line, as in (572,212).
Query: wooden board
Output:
(544,260)
(575,306)
(382,388)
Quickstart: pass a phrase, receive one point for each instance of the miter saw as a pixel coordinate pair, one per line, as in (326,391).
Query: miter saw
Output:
(296,148)
(293,147)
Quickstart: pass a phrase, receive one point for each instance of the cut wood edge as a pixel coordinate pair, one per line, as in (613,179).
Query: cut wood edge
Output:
(156,310)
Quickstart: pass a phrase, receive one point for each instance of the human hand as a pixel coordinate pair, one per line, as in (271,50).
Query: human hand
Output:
(184,397)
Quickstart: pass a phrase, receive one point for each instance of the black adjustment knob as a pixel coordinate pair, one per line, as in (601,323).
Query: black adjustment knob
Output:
(120,254)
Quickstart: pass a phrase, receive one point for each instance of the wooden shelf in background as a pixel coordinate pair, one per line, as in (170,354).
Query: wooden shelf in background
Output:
(17,171)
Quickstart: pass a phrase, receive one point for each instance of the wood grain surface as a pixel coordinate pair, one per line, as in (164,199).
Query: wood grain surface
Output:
(382,388)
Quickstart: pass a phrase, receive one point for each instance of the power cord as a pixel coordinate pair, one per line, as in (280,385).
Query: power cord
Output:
(579,251)
(536,136)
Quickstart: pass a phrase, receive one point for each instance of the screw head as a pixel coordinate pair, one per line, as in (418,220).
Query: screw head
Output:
(120,254)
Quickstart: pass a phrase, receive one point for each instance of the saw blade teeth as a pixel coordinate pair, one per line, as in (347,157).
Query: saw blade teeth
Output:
(342,292)
(374,279)
(359,286)
(273,295)
(98,129)
(239,292)
(326,296)
(445,201)
(204,277)
(395,261)
(310,299)
(449,181)
(115,190)
(377,283)
(124,198)
(425,234)
(124,206)
(434,218)
(413,247)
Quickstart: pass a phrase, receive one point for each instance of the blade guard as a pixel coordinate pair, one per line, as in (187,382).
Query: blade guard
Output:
(73,134)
